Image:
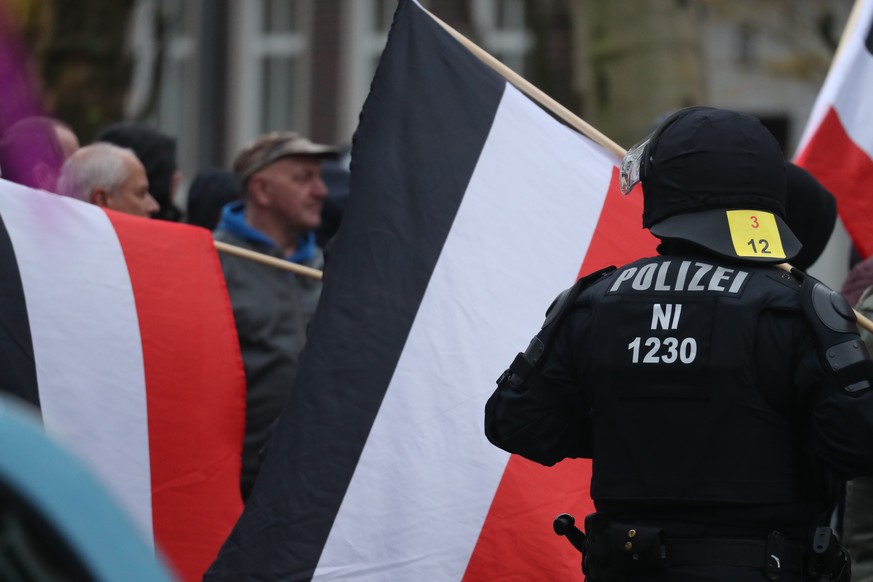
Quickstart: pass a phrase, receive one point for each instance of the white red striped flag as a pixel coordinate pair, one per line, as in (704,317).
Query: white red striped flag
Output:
(837,144)
(471,209)
(120,330)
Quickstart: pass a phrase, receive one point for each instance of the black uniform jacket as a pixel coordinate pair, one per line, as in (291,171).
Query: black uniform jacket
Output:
(689,379)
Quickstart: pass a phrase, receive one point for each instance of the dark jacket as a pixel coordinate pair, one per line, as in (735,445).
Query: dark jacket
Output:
(271,308)
(724,408)
(858,514)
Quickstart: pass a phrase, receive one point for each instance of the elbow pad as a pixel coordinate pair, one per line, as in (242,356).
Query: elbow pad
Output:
(835,327)
(526,362)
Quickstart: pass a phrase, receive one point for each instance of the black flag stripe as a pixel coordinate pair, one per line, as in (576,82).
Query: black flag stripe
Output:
(373,289)
(18,376)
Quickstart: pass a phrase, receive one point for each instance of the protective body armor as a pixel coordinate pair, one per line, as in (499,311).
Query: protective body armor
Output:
(678,414)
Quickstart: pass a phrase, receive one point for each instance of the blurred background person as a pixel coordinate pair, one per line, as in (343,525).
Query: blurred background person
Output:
(811,214)
(33,149)
(66,137)
(860,277)
(283,197)
(858,506)
(337,177)
(210,191)
(157,152)
(108,176)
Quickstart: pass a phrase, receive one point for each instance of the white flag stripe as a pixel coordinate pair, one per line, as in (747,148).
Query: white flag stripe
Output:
(427,470)
(848,86)
(103,419)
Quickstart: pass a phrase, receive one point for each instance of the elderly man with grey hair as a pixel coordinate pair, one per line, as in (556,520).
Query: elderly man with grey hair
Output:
(108,176)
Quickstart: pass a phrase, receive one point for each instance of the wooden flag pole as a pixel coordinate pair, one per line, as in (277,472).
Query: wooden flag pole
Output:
(268,260)
(851,24)
(568,116)
(863,321)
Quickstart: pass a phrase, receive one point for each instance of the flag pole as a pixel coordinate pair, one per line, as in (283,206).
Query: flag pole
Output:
(851,24)
(848,31)
(268,260)
(532,91)
(863,321)
(569,117)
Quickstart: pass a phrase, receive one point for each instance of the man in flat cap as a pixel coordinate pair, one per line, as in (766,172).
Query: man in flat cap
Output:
(283,193)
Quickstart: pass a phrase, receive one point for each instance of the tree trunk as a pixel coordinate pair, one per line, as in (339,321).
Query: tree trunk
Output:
(635,62)
(79,50)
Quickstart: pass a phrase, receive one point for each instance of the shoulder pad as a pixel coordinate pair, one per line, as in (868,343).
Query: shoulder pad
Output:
(835,326)
(830,308)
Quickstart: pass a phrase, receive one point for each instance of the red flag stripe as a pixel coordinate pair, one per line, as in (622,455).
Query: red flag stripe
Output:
(192,387)
(847,171)
(137,365)
(620,237)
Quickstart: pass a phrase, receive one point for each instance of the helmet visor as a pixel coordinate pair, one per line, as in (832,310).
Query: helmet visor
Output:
(629,172)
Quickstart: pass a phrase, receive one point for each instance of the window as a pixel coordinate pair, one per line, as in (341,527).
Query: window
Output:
(501,25)
(368,24)
(270,67)
(162,101)
(280,51)
(178,64)
(168,102)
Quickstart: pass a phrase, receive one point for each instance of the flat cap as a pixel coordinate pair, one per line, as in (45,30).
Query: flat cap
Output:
(269,147)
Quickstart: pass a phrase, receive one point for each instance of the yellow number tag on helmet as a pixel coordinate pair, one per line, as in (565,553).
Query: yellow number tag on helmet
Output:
(755,234)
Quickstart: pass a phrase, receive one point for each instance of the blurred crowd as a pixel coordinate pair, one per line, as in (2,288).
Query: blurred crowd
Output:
(283,196)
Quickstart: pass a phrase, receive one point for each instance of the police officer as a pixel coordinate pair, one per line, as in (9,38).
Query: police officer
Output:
(721,398)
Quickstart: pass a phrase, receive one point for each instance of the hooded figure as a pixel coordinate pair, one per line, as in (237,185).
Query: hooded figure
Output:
(811,214)
(210,191)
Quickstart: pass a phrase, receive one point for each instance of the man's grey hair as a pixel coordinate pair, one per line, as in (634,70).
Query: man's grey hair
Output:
(99,165)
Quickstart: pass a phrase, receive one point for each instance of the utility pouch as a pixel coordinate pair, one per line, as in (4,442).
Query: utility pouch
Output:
(595,558)
(616,550)
(828,561)
(637,548)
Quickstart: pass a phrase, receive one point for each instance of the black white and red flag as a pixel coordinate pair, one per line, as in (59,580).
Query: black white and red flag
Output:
(837,145)
(120,330)
(471,209)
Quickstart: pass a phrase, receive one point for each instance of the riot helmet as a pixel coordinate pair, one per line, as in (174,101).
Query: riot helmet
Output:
(715,178)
